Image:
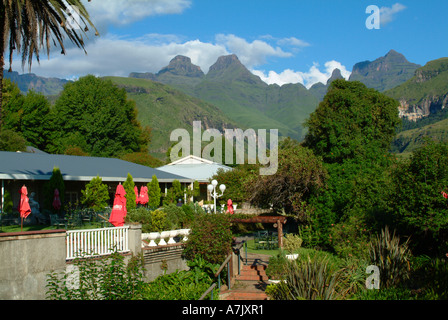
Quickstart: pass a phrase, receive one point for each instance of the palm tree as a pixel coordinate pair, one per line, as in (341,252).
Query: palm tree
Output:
(29,26)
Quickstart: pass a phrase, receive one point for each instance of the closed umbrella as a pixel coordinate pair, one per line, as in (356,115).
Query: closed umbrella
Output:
(24,206)
(144,199)
(230,206)
(56,200)
(137,200)
(119,209)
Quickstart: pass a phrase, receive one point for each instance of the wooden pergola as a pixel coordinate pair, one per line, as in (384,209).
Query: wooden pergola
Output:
(278,222)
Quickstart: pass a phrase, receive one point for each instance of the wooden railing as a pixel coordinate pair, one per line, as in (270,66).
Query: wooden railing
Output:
(221,268)
(93,242)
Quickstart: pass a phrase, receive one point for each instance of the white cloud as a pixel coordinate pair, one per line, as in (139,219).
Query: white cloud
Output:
(293,41)
(121,12)
(387,14)
(308,79)
(118,57)
(250,54)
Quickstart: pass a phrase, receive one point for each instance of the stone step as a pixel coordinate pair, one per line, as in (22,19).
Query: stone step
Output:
(247,296)
(252,273)
(252,278)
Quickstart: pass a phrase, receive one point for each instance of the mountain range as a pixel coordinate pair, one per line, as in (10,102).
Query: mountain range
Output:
(230,96)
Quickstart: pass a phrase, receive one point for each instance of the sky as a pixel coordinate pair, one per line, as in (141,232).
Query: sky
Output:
(282,41)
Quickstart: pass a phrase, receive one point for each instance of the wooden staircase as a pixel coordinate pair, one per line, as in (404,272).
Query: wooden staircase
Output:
(250,284)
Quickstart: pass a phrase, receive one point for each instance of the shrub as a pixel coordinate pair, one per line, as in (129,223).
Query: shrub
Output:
(141,215)
(154,193)
(391,257)
(350,238)
(210,238)
(430,277)
(56,182)
(105,279)
(311,280)
(96,194)
(130,193)
(159,221)
(175,216)
(184,285)
(292,242)
(386,294)
(276,268)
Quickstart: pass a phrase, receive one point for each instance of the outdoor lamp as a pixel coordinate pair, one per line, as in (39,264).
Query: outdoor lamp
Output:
(212,189)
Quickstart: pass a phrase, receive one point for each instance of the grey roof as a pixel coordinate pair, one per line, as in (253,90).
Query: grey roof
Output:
(201,172)
(37,166)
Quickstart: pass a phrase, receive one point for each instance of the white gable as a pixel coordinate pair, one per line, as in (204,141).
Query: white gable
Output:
(191,160)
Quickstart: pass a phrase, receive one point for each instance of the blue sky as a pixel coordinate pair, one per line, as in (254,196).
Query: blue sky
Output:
(282,41)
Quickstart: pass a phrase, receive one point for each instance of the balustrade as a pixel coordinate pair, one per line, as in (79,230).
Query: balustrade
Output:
(171,236)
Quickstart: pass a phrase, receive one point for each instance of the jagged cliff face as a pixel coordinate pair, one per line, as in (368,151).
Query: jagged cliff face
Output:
(426,93)
(424,108)
(384,73)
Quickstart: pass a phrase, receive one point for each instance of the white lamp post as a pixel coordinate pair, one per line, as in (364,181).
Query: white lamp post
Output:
(212,189)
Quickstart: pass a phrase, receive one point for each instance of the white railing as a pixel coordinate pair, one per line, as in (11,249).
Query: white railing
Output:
(164,237)
(92,242)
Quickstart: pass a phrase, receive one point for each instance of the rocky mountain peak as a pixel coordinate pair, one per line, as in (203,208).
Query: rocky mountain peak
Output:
(182,66)
(385,72)
(224,62)
(335,76)
(229,68)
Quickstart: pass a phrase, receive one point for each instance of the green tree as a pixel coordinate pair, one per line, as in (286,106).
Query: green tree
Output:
(28,26)
(174,193)
(128,186)
(154,193)
(56,182)
(143,158)
(236,181)
(96,194)
(96,116)
(210,238)
(352,122)
(300,175)
(11,141)
(27,114)
(419,208)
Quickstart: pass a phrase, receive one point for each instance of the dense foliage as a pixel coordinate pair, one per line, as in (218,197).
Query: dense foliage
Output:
(110,278)
(352,122)
(154,193)
(418,206)
(210,238)
(131,197)
(56,182)
(96,194)
(96,116)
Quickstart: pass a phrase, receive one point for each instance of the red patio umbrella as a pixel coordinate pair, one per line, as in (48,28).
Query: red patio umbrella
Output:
(119,210)
(144,195)
(24,206)
(230,206)
(56,201)
(137,200)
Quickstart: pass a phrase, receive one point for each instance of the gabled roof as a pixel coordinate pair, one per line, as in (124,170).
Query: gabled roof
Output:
(37,166)
(195,168)
(191,159)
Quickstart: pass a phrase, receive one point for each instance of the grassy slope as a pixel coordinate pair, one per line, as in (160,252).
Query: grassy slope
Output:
(415,91)
(165,109)
(409,140)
